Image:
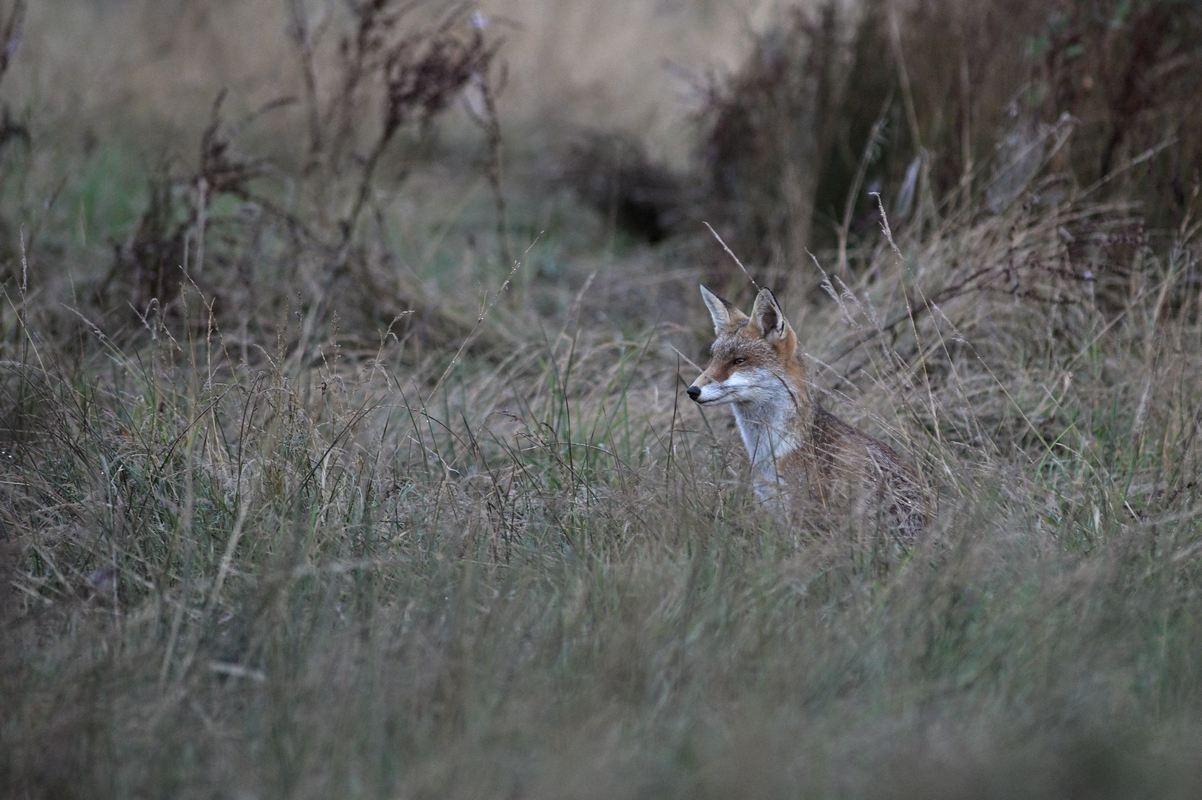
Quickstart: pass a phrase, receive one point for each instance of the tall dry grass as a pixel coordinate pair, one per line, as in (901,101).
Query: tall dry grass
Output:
(416,523)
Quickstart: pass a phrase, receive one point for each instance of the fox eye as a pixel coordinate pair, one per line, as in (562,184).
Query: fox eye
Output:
(738,360)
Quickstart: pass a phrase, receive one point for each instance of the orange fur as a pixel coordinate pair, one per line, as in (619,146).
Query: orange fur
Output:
(791,440)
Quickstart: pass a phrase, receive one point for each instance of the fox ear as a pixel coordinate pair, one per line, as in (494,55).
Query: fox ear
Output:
(725,315)
(767,316)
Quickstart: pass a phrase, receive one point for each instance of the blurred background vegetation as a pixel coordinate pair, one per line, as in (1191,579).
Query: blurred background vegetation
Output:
(341,443)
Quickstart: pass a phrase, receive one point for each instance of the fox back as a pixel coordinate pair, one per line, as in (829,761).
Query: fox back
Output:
(797,448)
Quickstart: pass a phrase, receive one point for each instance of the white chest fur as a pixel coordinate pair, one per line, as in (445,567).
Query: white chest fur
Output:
(768,436)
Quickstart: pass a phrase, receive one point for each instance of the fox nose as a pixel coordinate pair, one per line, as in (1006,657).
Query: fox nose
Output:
(694,392)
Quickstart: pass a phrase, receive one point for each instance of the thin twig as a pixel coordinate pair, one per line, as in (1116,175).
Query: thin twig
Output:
(482,316)
(731,253)
(303,38)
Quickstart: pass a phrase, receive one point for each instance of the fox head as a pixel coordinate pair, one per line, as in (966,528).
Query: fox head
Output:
(753,359)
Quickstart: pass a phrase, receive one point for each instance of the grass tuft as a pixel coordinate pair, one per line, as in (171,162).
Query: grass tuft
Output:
(345,503)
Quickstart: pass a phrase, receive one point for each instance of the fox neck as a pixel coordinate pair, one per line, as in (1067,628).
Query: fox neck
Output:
(773,428)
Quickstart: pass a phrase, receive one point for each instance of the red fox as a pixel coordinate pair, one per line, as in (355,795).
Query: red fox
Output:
(791,439)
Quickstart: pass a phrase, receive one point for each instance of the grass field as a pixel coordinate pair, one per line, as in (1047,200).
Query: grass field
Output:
(341,461)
